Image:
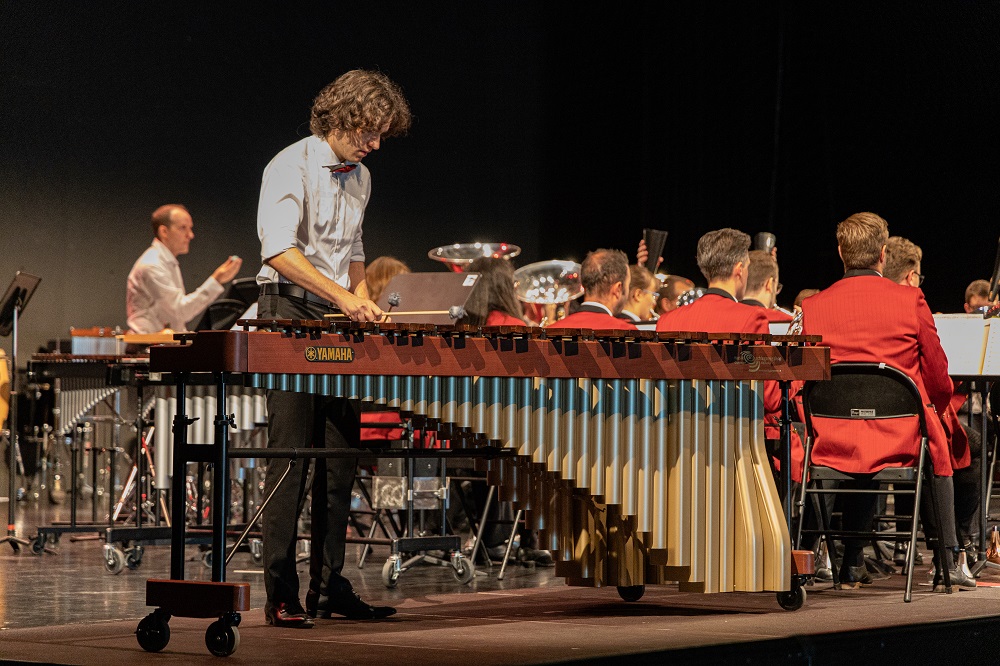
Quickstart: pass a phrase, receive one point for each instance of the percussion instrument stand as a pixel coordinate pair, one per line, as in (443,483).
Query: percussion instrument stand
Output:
(988,465)
(15,453)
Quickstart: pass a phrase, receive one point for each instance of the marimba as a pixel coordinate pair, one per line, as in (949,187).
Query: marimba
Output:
(638,455)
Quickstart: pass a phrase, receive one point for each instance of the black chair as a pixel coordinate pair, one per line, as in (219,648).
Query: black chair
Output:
(221,314)
(867,391)
(244,289)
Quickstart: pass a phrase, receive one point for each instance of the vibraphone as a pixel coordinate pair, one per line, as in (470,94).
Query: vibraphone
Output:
(78,384)
(638,455)
(81,382)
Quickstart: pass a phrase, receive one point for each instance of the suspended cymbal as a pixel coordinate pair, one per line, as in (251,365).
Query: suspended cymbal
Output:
(546,282)
(459,255)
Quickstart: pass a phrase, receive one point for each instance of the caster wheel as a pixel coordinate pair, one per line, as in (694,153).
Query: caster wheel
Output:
(206,559)
(463,570)
(133,557)
(222,639)
(38,544)
(631,592)
(390,572)
(793,599)
(153,633)
(114,560)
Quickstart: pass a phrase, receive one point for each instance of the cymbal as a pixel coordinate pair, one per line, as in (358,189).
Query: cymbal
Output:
(459,255)
(545,282)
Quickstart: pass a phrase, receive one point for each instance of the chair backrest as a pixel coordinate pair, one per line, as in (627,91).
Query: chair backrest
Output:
(244,289)
(221,314)
(863,391)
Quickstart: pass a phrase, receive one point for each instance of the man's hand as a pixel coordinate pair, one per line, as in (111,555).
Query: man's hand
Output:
(228,270)
(358,309)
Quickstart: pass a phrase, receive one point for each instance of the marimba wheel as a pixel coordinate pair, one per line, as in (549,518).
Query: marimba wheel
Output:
(793,599)
(153,632)
(222,638)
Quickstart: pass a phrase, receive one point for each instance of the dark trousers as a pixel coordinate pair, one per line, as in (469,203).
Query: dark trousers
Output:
(299,420)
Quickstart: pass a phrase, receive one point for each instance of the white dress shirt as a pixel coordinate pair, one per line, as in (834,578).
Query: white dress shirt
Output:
(304,205)
(155,298)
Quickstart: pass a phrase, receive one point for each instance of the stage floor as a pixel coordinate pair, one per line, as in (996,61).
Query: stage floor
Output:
(65,608)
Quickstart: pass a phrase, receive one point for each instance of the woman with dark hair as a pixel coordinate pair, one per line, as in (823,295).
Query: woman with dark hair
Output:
(493,301)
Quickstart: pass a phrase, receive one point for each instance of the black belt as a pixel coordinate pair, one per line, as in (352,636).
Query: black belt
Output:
(294,291)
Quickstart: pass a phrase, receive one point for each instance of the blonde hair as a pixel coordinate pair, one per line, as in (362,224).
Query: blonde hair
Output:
(861,237)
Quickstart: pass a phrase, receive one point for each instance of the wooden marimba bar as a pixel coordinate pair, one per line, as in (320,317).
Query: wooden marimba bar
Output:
(640,455)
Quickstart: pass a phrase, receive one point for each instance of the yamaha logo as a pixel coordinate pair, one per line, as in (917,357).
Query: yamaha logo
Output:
(329,354)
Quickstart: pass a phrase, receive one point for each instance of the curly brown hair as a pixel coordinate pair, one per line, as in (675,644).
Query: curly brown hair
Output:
(360,99)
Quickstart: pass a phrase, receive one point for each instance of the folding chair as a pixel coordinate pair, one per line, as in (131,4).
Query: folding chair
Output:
(863,392)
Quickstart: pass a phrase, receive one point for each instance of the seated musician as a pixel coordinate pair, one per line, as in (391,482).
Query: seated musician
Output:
(380,271)
(867,318)
(670,290)
(902,266)
(493,301)
(604,275)
(724,260)
(977,297)
(801,296)
(643,292)
(763,287)
(155,298)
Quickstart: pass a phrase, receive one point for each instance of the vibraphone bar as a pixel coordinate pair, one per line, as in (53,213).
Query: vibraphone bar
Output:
(639,455)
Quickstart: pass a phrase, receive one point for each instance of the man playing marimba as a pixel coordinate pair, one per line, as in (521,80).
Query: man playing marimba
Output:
(312,203)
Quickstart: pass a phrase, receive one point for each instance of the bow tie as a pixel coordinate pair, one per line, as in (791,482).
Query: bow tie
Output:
(341,168)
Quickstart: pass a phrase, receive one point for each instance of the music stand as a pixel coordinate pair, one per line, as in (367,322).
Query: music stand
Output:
(426,292)
(14,301)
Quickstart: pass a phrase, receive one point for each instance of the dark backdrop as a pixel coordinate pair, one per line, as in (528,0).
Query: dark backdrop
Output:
(555,127)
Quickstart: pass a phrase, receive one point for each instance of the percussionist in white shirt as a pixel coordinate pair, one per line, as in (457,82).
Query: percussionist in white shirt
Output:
(155,298)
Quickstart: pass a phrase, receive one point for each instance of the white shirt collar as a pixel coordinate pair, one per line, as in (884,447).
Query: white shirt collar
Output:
(165,253)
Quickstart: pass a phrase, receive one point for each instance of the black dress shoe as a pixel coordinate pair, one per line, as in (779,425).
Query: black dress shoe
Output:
(348,604)
(853,578)
(287,615)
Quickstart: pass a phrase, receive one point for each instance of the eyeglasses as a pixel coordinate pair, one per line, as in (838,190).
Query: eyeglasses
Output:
(920,279)
(778,289)
(654,294)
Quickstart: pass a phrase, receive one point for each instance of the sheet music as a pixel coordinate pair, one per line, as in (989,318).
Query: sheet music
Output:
(963,337)
(779,327)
